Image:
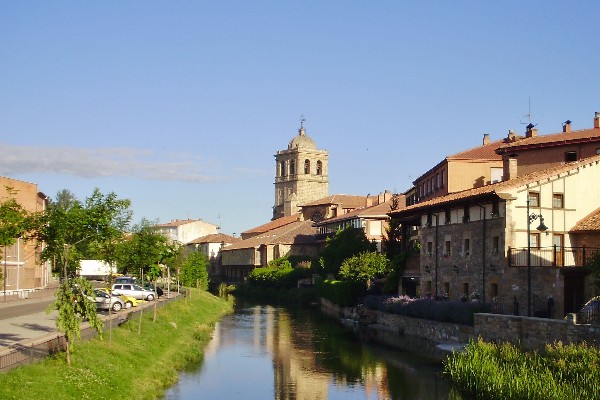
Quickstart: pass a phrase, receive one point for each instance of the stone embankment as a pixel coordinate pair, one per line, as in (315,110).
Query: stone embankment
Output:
(439,339)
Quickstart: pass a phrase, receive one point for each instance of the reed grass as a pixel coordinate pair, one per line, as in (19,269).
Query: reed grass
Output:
(502,371)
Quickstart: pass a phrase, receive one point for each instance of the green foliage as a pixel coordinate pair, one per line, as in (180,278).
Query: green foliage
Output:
(273,277)
(343,293)
(12,221)
(194,271)
(502,371)
(144,248)
(281,262)
(365,267)
(345,244)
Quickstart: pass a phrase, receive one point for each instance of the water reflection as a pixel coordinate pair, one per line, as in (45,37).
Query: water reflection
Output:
(263,352)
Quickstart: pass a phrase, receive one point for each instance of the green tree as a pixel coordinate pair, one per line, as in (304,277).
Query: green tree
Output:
(194,270)
(13,224)
(345,244)
(144,247)
(365,267)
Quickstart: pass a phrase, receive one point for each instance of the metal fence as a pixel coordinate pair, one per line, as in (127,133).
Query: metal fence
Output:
(554,256)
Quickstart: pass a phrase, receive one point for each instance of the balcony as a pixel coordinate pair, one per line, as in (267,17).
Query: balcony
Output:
(563,257)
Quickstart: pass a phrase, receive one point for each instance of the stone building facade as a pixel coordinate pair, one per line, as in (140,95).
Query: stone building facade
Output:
(301,175)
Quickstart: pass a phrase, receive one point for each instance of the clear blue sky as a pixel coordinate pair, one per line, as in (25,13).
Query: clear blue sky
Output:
(181,105)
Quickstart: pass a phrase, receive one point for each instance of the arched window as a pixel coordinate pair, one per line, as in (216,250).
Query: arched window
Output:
(307,166)
(292,167)
(319,168)
(283,168)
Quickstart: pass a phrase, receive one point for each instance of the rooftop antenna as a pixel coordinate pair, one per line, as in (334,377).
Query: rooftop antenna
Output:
(302,119)
(528,115)
(219,218)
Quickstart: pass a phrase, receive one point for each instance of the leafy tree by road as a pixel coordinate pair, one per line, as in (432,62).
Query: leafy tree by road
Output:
(345,244)
(365,267)
(194,271)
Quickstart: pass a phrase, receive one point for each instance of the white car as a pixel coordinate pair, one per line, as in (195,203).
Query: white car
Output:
(136,291)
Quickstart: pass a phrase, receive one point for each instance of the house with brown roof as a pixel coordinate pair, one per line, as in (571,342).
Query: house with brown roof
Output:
(467,169)
(522,243)
(533,152)
(211,246)
(294,239)
(184,231)
(21,267)
(336,205)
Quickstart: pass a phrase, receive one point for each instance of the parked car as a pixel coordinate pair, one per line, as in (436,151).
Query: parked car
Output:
(104,301)
(134,291)
(128,300)
(590,312)
(150,286)
(125,279)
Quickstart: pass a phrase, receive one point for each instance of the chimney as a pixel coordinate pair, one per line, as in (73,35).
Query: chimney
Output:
(511,136)
(567,126)
(509,165)
(597,120)
(369,201)
(531,131)
(486,138)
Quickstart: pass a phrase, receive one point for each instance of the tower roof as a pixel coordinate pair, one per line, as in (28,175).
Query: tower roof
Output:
(302,141)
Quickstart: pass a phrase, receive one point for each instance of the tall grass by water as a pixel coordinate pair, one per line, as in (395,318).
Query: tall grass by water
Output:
(132,366)
(502,371)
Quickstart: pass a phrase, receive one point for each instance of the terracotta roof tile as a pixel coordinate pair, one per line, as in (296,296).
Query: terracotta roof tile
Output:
(215,238)
(591,223)
(346,200)
(498,187)
(556,138)
(276,223)
(484,152)
(299,232)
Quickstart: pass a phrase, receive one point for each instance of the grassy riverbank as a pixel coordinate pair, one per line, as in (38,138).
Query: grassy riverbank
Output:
(501,371)
(133,366)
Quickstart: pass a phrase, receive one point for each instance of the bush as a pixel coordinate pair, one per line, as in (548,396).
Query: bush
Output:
(457,312)
(343,293)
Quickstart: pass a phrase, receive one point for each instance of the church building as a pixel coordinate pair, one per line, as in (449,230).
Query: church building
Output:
(301,175)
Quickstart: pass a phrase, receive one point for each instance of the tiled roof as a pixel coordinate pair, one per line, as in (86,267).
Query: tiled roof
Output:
(178,222)
(299,232)
(215,238)
(496,188)
(591,223)
(378,210)
(346,200)
(556,138)
(484,152)
(276,223)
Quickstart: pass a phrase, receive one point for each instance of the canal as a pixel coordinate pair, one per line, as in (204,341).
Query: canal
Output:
(263,352)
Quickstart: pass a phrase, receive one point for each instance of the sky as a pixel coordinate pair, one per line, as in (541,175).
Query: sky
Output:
(180,106)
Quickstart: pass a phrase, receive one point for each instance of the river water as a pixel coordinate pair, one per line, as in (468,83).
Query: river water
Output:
(264,352)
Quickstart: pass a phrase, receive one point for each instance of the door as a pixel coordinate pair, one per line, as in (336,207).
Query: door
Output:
(559,250)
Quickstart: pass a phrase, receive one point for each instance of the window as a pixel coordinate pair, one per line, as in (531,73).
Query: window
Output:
(466,214)
(446,289)
(447,248)
(292,167)
(428,220)
(570,156)
(496,174)
(447,219)
(429,249)
(307,167)
(319,168)
(495,208)
(534,240)
(558,200)
(534,199)
(437,181)
(494,290)
(466,290)
(428,288)
(597,151)
(442,178)
(495,245)
(467,247)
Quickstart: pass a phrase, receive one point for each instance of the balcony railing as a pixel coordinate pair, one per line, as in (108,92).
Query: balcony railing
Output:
(554,256)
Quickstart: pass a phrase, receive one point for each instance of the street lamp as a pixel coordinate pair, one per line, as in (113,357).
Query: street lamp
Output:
(530,218)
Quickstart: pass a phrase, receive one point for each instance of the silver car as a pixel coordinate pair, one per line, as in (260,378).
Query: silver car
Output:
(105,302)
(136,291)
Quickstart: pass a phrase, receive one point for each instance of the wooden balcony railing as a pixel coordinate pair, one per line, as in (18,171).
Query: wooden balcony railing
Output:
(551,256)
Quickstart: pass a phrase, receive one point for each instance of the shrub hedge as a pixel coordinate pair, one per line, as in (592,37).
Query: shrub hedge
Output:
(344,293)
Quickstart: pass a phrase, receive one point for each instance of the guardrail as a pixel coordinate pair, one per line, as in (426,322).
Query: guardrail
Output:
(554,256)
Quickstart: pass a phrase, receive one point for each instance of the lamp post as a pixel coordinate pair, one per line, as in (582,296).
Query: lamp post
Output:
(530,218)
(436,253)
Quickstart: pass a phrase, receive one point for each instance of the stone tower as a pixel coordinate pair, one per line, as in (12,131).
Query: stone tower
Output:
(301,175)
